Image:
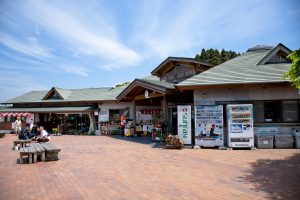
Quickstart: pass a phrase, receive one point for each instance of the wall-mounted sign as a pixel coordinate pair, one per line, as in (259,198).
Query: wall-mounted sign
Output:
(184,124)
(104,116)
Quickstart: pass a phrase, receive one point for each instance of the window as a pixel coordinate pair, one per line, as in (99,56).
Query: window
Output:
(272,111)
(290,111)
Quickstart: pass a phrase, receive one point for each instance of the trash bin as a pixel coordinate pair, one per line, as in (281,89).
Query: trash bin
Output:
(264,141)
(296,134)
(284,141)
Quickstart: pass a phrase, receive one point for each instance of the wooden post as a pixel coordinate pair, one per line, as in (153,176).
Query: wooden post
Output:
(43,156)
(134,113)
(30,156)
(34,157)
(21,159)
(165,108)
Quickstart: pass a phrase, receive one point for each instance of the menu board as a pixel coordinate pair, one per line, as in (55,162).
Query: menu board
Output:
(209,126)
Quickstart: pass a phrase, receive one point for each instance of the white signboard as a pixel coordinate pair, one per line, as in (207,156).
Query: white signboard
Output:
(184,124)
(209,126)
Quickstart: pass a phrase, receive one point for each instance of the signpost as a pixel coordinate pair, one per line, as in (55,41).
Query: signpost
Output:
(184,124)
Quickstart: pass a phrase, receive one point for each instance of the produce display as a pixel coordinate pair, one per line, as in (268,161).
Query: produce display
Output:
(174,142)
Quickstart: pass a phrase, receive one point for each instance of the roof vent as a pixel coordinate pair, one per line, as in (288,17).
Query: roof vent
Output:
(260,47)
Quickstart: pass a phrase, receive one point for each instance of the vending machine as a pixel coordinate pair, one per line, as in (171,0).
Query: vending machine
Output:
(240,125)
(209,126)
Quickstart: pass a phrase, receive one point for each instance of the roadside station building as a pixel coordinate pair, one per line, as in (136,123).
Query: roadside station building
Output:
(254,77)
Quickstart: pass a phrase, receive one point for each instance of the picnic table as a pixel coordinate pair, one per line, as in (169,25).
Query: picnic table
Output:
(47,151)
(23,143)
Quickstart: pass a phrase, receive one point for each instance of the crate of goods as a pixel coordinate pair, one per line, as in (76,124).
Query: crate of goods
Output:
(264,141)
(284,141)
(296,134)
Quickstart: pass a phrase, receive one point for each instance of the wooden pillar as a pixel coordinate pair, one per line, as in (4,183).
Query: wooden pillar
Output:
(165,108)
(134,113)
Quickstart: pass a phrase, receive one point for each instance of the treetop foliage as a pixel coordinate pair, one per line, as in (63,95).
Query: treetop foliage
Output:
(216,57)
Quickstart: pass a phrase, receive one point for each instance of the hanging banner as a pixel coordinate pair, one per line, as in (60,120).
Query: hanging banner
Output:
(184,124)
(30,118)
(209,126)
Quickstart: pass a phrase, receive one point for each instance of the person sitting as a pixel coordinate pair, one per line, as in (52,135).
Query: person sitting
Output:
(44,136)
(24,132)
(33,133)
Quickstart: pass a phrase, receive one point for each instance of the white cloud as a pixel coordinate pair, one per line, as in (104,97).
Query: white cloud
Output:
(78,70)
(79,34)
(168,29)
(29,47)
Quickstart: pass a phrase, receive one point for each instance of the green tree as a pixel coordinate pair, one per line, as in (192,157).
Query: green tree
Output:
(294,71)
(214,56)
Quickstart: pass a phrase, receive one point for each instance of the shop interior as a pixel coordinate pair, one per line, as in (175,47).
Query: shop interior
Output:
(64,123)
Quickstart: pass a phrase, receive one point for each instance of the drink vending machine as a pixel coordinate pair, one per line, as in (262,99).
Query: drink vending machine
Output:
(240,125)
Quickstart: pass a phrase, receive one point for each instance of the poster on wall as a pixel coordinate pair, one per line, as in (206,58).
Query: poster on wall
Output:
(184,124)
(103,116)
(209,126)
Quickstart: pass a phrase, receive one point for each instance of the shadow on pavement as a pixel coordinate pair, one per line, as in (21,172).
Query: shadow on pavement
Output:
(279,178)
(147,140)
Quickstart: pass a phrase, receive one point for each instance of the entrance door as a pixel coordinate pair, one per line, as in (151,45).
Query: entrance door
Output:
(172,120)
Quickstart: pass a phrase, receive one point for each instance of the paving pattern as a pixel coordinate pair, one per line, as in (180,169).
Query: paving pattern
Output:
(101,167)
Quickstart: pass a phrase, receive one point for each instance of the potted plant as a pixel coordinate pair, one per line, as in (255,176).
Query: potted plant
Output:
(174,142)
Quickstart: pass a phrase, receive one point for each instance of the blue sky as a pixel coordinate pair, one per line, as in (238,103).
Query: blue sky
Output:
(78,43)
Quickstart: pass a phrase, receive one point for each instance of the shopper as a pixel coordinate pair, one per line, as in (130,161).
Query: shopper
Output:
(18,125)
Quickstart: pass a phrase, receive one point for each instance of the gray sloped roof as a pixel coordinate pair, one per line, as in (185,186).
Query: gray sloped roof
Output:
(65,93)
(49,109)
(240,70)
(86,94)
(179,59)
(156,81)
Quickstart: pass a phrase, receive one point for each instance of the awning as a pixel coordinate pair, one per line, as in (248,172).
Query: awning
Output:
(14,114)
(68,109)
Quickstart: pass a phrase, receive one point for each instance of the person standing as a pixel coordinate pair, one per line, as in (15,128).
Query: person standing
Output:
(18,125)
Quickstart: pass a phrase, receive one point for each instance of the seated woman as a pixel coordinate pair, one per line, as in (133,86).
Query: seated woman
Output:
(24,132)
(44,136)
(33,133)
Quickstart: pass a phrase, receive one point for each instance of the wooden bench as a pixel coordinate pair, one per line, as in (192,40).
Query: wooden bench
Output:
(51,151)
(29,152)
(23,143)
(40,151)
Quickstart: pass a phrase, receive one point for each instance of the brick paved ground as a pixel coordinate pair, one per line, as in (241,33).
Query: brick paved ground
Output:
(100,167)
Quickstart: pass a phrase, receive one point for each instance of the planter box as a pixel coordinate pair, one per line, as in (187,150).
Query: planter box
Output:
(173,147)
